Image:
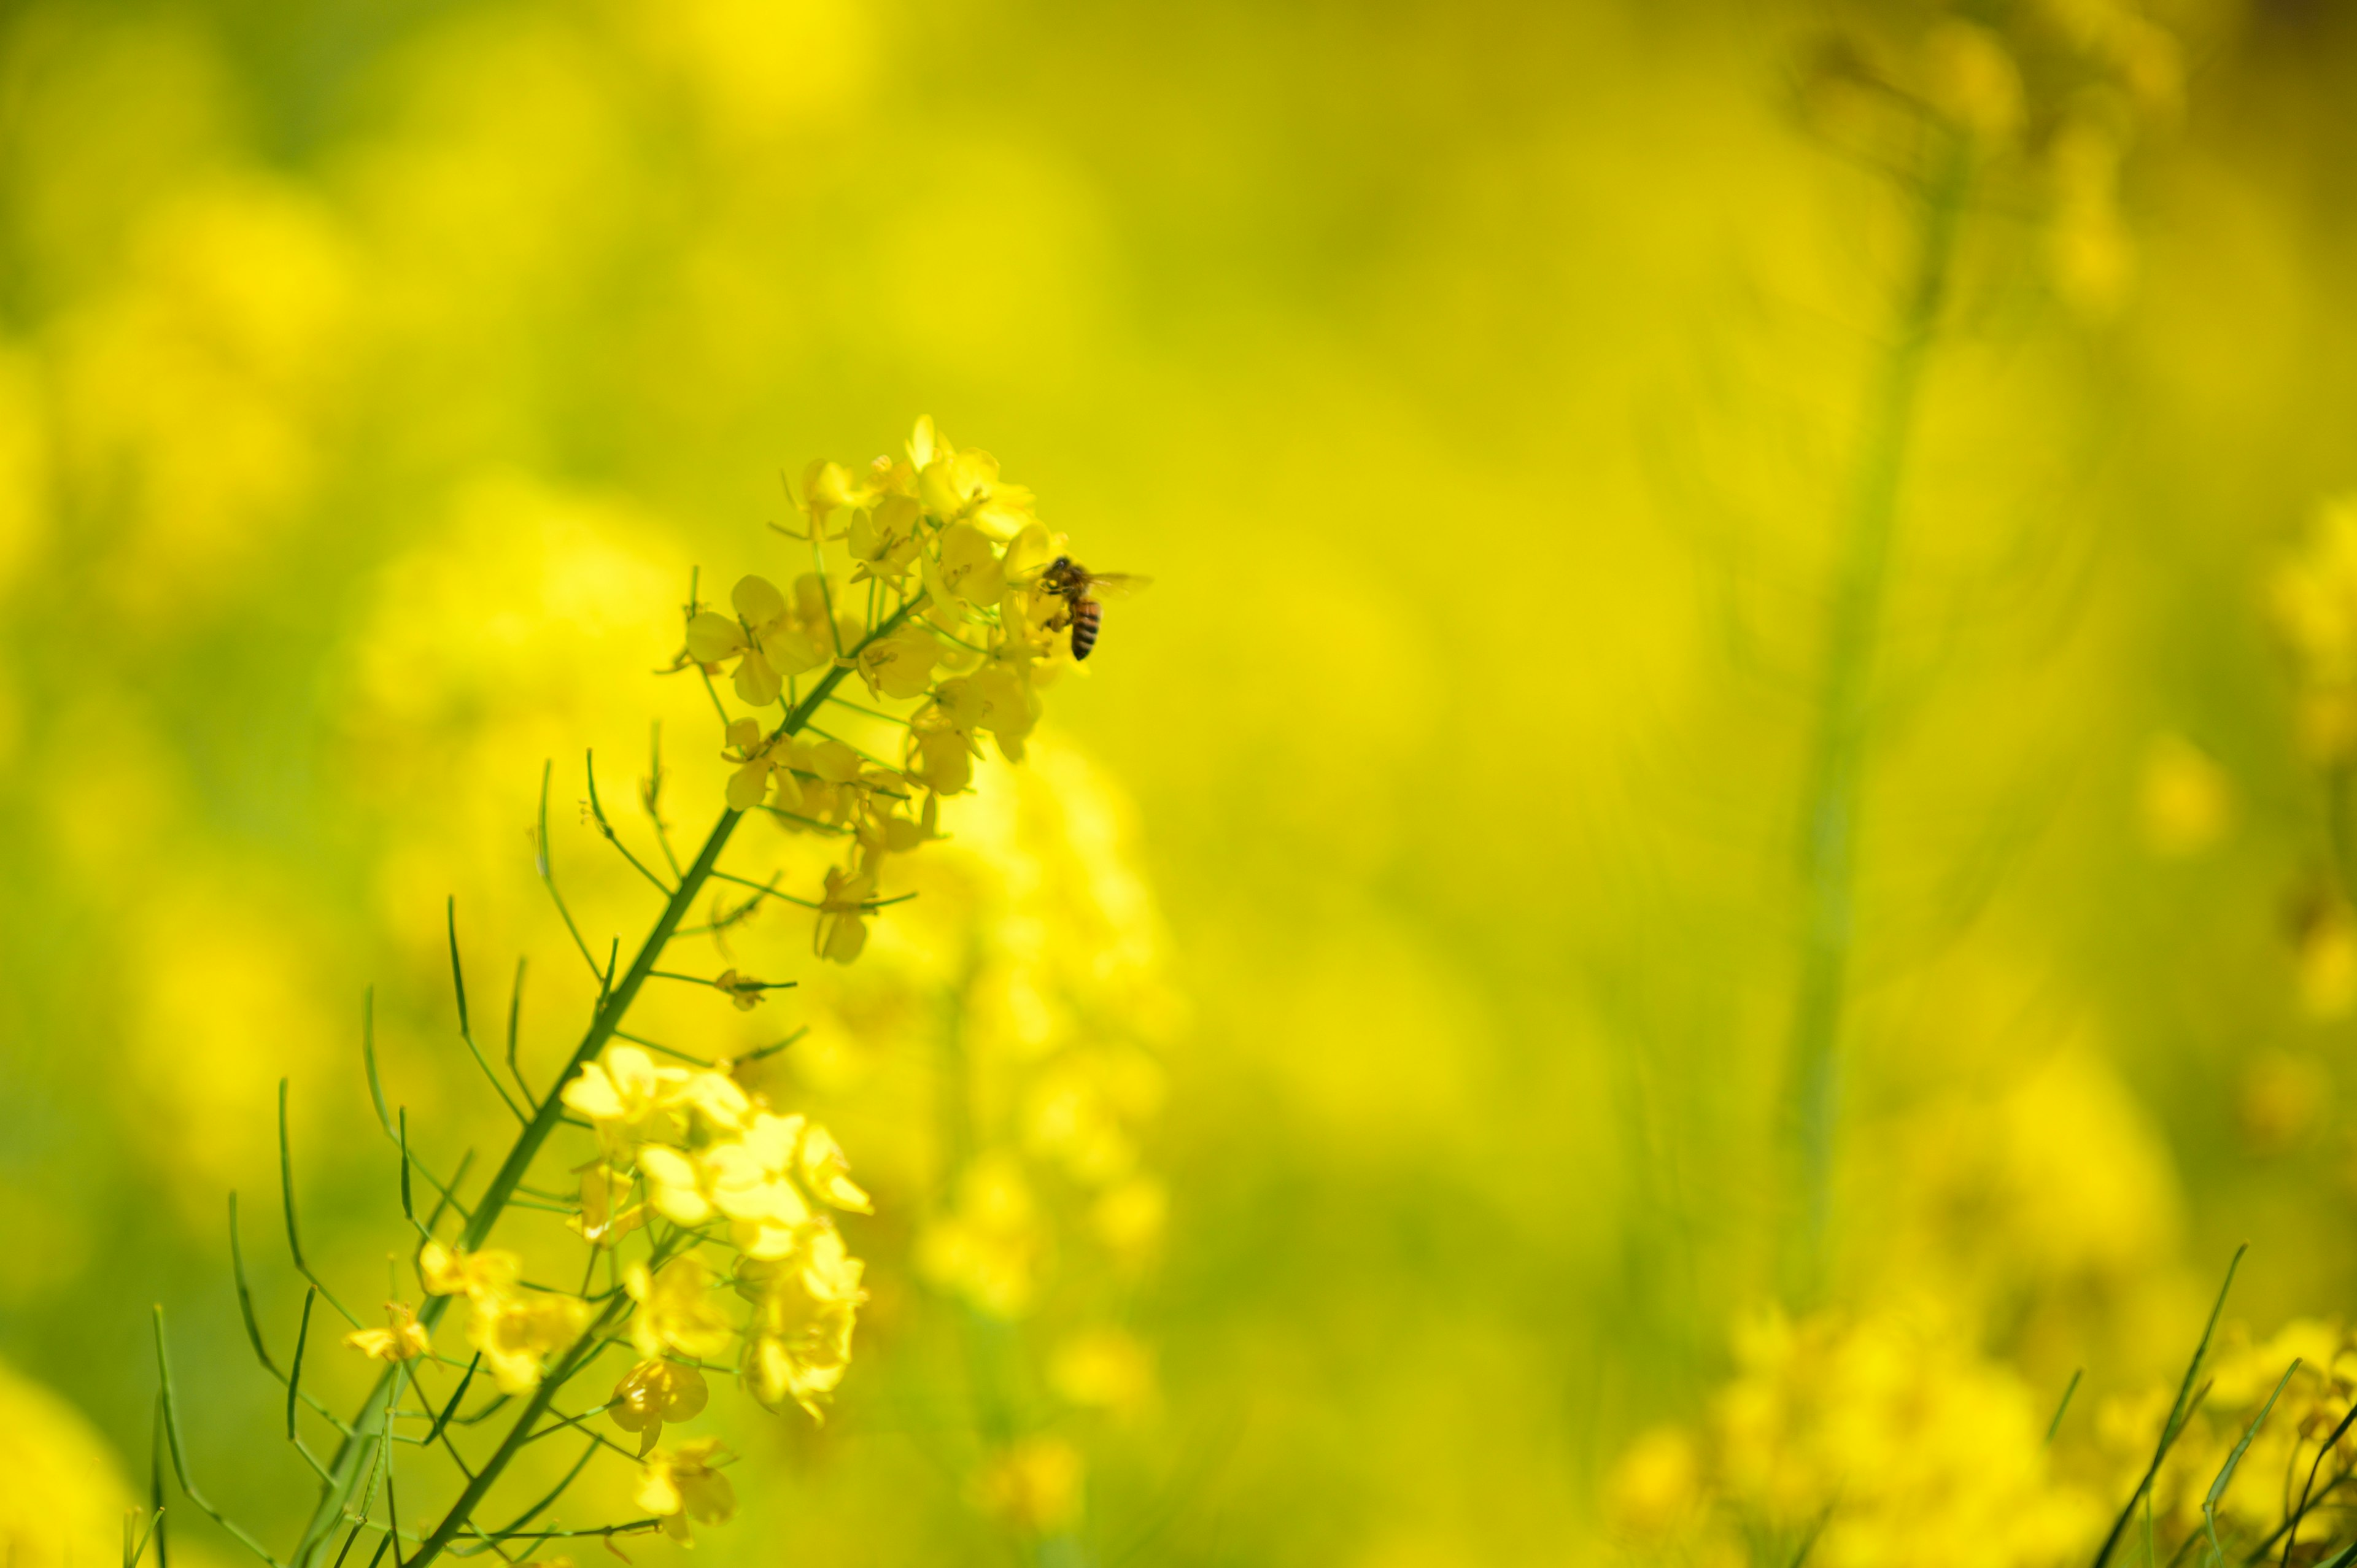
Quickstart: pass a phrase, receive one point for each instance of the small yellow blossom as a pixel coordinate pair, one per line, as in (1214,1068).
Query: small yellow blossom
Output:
(967,571)
(841,931)
(764,762)
(518,1331)
(825,1172)
(964,486)
(717,1100)
(653,1392)
(829,488)
(674,1185)
(901,665)
(403,1338)
(884,541)
(677,1312)
(1103,1369)
(765,1181)
(765,639)
(602,1219)
(445,1272)
(624,1093)
(1034,1485)
(941,756)
(683,1484)
(805,1307)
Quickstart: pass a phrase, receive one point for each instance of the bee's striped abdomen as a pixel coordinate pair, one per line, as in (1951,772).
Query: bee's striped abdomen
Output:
(1086,613)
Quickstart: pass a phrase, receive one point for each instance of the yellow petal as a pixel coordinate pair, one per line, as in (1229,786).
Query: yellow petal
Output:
(758,600)
(712,638)
(748,784)
(756,682)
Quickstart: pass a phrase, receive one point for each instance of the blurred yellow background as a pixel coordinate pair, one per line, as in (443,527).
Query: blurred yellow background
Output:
(1478,381)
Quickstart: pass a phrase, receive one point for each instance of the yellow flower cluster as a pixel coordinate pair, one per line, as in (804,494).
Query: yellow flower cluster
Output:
(2240,1375)
(1060,998)
(945,607)
(515,1329)
(1040,945)
(709,1212)
(696,1149)
(1867,1441)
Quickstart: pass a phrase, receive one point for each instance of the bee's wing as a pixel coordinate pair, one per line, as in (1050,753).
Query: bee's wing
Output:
(1117,584)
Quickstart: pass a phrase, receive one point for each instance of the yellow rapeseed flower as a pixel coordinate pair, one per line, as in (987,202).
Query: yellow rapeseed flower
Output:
(842,929)
(447,1272)
(518,1331)
(624,1094)
(676,1486)
(767,640)
(603,1218)
(677,1312)
(805,1307)
(653,1392)
(403,1338)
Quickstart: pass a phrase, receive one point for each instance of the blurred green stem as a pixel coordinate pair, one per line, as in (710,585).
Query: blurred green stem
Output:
(348,1467)
(1844,708)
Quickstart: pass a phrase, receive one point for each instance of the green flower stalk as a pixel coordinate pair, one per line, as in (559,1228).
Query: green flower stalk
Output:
(706,1214)
(1962,106)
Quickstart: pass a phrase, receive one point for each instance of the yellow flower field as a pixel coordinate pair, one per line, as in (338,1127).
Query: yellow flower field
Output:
(1711,900)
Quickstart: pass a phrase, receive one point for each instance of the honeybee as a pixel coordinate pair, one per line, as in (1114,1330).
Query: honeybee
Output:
(1079,587)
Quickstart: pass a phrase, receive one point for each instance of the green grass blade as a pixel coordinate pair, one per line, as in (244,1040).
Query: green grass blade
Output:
(2179,1413)
(156,1487)
(2055,1426)
(466,1026)
(368,1057)
(2226,1471)
(286,1193)
(457,1394)
(294,1376)
(178,1450)
(245,1295)
(515,1020)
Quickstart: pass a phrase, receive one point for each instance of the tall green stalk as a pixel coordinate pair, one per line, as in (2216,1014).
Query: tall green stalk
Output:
(1831,805)
(354,1458)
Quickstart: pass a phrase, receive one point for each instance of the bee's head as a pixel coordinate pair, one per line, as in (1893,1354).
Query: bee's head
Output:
(1062,564)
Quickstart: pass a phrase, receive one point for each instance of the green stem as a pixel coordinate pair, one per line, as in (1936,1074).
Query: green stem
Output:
(1845,694)
(346,1472)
